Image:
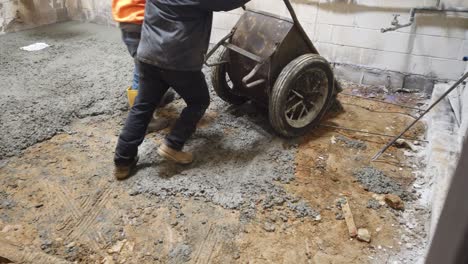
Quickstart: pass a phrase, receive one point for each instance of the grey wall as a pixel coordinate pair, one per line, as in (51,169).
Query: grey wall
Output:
(346,32)
(23,14)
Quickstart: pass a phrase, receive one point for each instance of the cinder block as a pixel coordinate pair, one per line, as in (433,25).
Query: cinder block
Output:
(376,19)
(419,83)
(324,33)
(392,3)
(306,12)
(456,3)
(390,80)
(464,50)
(309,29)
(225,21)
(275,7)
(62,14)
(441,47)
(371,39)
(447,69)
(444,25)
(395,61)
(348,72)
(87,4)
(9,9)
(346,55)
(337,13)
(100,18)
(325,50)
(217,34)
(398,42)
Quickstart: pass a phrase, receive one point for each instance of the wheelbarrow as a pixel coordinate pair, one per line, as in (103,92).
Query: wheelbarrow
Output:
(270,60)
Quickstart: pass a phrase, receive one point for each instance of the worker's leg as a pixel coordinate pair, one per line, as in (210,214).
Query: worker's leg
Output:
(131,34)
(131,38)
(152,89)
(192,87)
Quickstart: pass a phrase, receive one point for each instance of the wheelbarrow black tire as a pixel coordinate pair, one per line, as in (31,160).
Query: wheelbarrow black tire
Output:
(285,83)
(220,83)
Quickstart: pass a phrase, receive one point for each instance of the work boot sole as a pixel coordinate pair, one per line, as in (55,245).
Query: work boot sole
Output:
(169,156)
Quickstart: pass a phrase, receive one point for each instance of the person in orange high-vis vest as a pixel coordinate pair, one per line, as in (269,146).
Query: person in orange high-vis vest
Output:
(130,14)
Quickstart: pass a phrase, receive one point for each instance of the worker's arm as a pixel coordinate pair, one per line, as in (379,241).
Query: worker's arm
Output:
(222,5)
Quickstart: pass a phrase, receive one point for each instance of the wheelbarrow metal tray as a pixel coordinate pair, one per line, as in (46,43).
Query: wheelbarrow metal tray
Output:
(275,40)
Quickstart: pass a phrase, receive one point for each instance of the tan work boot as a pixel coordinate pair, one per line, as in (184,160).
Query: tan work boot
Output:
(175,155)
(122,172)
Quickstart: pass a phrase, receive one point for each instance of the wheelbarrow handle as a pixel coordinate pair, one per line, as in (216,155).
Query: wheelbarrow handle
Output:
(219,44)
(299,26)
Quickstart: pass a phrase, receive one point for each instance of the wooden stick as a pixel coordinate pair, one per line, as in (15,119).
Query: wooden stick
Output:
(349,218)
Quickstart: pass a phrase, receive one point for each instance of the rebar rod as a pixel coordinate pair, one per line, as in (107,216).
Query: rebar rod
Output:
(455,85)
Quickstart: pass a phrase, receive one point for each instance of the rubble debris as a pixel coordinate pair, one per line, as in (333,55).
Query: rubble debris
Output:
(340,201)
(302,209)
(364,235)
(405,90)
(351,143)
(46,245)
(349,218)
(70,245)
(271,201)
(180,253)
(373,204)
(108,260)
(374,180)
(339,216)
(269,227)
(402,143)
(5,201)
(394,202)
(117,247)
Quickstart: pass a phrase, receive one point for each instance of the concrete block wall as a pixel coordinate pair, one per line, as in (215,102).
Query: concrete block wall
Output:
(23,14)
(447,130)
(95,11)
(348,34)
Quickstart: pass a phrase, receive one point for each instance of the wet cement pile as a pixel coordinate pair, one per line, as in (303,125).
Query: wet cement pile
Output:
(349,143)
(81,74)
(375,180)
(238,161)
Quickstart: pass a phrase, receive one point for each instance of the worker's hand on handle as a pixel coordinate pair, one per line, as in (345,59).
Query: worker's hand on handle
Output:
(222,5)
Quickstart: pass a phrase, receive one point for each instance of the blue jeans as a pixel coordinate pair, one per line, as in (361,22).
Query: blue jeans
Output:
(132,40)
(136,78)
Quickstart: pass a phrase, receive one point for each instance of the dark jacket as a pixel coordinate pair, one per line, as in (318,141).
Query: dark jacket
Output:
(176,33)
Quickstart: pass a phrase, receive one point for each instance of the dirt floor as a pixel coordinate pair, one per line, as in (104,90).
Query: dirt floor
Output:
(250,197)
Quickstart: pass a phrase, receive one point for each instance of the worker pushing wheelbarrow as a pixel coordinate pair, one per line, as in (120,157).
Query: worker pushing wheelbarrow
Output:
(271,60)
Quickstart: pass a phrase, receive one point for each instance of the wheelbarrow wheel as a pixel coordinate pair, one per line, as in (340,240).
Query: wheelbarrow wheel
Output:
(222,83)
(301,95)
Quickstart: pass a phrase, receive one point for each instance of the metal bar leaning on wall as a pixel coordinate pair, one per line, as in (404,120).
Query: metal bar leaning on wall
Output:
(455,85)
